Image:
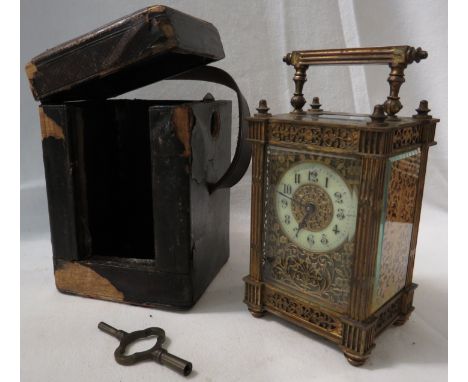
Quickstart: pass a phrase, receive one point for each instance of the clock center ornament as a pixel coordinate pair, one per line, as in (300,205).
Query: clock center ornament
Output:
(336,203)
(312,207)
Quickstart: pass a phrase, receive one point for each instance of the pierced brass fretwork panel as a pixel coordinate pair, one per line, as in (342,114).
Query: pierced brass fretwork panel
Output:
(302,311)
(322,276)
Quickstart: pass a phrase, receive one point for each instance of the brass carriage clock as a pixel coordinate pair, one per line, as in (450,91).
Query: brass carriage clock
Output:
(336,202)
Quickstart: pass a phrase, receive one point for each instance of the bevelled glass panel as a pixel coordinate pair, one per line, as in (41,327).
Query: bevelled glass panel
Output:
(401,187)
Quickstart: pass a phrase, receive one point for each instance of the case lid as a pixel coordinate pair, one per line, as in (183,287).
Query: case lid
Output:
(147,46)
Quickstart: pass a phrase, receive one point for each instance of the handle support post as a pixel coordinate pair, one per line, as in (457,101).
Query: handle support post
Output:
(397,57)
(300,78)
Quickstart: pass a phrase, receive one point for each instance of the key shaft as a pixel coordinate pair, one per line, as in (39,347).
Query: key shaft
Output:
(116,333)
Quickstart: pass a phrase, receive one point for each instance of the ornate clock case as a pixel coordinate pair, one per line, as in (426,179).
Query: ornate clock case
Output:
(336,202)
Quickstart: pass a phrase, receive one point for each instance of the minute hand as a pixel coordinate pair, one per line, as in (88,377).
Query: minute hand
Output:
(293,200)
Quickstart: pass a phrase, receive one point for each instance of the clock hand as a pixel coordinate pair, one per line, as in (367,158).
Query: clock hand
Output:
(293,200)
(310,209)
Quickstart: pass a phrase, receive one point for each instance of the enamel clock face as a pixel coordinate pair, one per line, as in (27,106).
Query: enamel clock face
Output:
(315,207)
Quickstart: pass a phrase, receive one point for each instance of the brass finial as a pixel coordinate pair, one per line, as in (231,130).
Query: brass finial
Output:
(416,55)
(262,109)
(315,106)
(423,110)
(378,117)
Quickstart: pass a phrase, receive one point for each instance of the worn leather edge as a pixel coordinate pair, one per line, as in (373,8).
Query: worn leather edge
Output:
(182,120)
(49,128)
(76,278)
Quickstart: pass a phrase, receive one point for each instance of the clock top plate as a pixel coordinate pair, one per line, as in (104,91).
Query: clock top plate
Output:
(352,120)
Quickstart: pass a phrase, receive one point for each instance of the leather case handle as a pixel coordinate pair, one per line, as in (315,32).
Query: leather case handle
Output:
(397,57)
(241,160)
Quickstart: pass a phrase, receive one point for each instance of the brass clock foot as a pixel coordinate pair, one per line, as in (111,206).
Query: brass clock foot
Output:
(257,313)
(401,320)
(355,359)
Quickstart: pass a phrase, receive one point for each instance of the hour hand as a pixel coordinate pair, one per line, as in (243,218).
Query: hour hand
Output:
(310,208)
(300,226)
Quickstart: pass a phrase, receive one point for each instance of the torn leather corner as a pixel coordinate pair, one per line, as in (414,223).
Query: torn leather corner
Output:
(49,128)
(31,70)
(82,280)
(156,9)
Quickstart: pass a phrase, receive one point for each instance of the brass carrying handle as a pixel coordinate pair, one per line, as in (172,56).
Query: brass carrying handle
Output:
(397,57)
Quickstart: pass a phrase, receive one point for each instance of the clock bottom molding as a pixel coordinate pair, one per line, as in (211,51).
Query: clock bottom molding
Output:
(355,338)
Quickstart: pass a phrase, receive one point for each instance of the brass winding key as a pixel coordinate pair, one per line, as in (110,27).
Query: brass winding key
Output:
(156,353)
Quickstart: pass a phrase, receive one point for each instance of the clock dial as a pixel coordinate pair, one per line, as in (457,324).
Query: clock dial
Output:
(315,207)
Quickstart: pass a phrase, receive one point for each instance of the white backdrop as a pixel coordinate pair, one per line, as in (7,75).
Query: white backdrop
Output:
(256,35)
